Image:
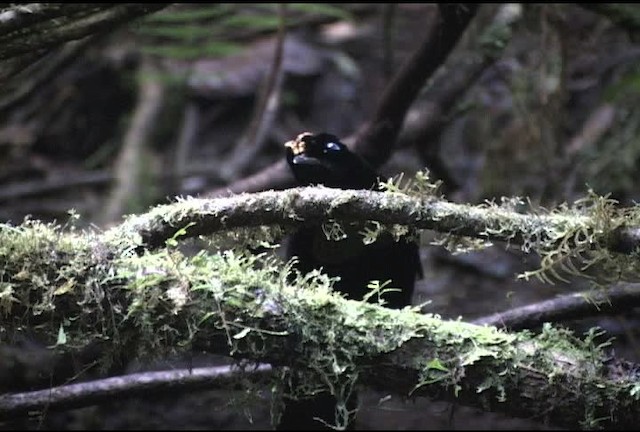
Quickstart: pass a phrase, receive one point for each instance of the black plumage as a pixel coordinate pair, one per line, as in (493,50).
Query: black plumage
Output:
(323,159)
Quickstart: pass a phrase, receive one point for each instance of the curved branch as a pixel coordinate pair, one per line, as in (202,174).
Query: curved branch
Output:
(311,205)
(567,307)
(376,139)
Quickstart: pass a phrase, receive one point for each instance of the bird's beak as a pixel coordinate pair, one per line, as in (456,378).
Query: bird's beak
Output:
(297,145)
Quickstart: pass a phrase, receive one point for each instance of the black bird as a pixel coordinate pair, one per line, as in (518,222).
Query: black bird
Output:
(323,159)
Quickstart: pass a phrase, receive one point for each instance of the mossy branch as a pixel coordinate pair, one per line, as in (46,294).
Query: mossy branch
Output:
(72,289)
(312,205)
(592,231)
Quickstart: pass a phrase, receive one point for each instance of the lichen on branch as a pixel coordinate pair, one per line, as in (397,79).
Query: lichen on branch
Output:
(593,233)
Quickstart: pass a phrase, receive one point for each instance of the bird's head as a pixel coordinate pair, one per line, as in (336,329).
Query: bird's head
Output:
(323,159)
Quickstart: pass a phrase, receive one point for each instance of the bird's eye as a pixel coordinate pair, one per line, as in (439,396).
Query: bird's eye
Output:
(332,146)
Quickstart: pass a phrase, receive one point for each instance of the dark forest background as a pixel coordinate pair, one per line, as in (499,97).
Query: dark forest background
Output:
(537,101)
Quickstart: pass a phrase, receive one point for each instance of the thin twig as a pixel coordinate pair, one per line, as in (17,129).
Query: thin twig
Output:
(29,188)
(43,73)
(97,178)
(23,15)
(265,110)
(567,307)
(188,130)
(12,67)
(140,384)
(130,163)
(377,132)
(52,32)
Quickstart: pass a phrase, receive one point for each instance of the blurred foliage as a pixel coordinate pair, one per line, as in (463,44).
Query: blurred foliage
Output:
(627,87)
(561,67)
(612,165)
(189,32)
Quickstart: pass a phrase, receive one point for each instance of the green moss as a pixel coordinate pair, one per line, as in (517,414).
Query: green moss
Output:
(576,244)
(78,287)
(47,272)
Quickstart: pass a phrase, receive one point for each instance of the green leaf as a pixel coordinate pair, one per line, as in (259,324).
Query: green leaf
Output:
(259,22)
(437,365)
(317,9)
(182,15)
(322,9)
(190,52)
(180,32)
(181,232)
(629,84)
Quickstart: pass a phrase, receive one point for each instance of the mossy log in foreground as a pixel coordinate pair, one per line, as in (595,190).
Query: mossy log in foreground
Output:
(72,289)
